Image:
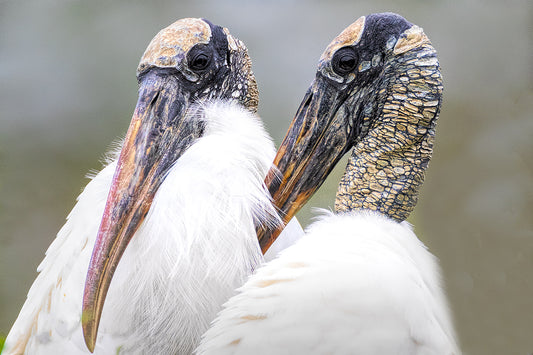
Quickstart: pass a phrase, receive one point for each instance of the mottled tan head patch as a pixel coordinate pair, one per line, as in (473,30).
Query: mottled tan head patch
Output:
(243,64)
(233,43)
(349,37)
(411,38)
(170,45)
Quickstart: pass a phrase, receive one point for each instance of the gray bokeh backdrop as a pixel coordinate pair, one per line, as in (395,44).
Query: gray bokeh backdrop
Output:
(68,88)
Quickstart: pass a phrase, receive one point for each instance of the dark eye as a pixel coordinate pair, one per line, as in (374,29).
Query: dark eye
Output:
(199,57)
(344,61)
(200,61)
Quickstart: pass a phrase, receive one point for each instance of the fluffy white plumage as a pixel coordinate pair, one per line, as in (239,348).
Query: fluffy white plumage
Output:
(196,245)
(357,283)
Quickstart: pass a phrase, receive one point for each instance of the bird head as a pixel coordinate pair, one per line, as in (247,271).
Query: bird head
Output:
(190,62)
(377,92)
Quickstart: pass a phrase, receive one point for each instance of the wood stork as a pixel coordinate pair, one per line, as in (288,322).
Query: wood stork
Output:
(359,281)
(185,197)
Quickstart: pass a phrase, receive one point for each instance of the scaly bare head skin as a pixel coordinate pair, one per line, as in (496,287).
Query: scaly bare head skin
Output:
(377,91)
(387,167)
(190,62)
(171,48)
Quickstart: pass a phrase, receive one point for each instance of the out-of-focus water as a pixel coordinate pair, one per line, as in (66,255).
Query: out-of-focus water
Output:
(68,88)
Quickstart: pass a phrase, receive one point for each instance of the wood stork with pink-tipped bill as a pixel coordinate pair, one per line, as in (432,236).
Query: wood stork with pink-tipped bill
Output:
(180,208)
(359,281)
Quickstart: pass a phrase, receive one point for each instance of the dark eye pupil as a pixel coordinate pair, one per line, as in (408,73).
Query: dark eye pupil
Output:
(344,61)
(201,61)
(347,62)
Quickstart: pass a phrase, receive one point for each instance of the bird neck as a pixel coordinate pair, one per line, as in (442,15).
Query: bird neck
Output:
(386,168)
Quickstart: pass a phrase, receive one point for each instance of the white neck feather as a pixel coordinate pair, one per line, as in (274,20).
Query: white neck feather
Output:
(198,242)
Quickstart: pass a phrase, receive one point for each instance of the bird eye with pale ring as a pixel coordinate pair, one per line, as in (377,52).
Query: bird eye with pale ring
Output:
(344,61)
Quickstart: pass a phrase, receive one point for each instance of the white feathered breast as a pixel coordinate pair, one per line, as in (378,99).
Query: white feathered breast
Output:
(195,246)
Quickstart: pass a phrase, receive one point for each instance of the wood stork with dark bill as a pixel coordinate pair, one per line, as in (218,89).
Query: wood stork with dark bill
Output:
(359,281)
(185,197)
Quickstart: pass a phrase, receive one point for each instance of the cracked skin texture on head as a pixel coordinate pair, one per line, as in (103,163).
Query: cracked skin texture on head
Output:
(387,166)
(169,46)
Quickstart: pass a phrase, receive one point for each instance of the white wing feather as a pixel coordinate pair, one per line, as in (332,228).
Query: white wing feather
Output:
(357,283)
(50,318)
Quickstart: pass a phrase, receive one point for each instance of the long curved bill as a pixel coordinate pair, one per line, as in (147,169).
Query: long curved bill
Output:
(316,140)
(159,133)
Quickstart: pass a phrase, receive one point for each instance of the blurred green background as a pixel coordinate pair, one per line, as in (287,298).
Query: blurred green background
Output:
(68,88)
